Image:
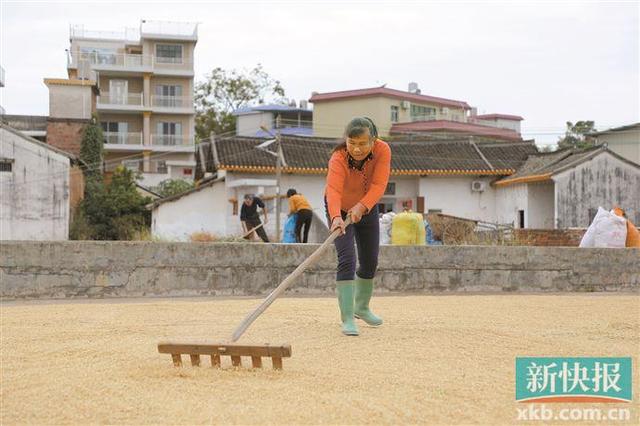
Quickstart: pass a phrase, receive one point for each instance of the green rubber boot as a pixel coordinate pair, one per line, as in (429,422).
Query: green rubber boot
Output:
(345,301)
(363,292)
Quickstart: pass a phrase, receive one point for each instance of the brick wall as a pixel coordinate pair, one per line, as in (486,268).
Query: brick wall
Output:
(549,237)
(66,134)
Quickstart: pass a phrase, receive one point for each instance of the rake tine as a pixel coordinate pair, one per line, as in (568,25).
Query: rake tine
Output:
(215,360)
(256,361)
(195,360)
(277,362)
(177,360)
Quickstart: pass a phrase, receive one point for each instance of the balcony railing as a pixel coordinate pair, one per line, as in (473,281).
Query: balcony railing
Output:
(172,101)
(123,138)
(101,60)
(110,98)
(171,140)
(112,60)
(432,117)
(128,34)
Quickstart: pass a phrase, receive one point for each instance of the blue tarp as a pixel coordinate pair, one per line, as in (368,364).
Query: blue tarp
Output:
(289,234)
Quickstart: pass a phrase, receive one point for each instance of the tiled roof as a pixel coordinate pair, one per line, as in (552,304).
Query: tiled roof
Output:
(542,166)
(391,93)
(455,127)
(311,155)
(499,116)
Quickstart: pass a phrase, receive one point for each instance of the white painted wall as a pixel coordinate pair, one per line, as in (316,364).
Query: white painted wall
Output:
(453,195)
(604,181)
(502,124)
(509,200)
(66,101)
(34,204)
(198,211)
(625,143)
(249,124)
(540,205)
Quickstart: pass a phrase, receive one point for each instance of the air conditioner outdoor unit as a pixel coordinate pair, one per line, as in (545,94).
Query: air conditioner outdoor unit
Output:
(404,104)
(477,186)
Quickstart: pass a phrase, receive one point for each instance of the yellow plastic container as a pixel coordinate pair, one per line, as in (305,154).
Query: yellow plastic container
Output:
(407,229)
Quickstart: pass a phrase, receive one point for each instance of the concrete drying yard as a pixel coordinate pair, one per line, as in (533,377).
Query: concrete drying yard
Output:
(438,359)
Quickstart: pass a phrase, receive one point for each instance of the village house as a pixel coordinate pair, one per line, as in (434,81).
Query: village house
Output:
(41,185)
(400,113)
(140,83)
(498,182)
(287,119)
(623,140)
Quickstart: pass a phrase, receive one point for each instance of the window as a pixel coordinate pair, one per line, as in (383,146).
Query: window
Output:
(394,113)
(167,95)
(161,167)
(444,111)
(6,166)
(434,211)
(115,131)
(99,55)
(391,189)
(133,165)
(521,219)
(187,172)
(118,92)
(169,53)
(419,113)
(169,133)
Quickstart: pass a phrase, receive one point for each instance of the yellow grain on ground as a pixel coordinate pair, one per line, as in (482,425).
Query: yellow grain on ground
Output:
(437,359)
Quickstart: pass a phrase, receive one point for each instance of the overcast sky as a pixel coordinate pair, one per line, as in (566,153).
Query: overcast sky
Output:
(550,62)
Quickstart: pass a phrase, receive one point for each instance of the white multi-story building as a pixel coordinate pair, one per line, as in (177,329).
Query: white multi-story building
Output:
(144,79)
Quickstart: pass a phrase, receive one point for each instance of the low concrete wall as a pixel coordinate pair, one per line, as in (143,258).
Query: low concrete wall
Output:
(128,269)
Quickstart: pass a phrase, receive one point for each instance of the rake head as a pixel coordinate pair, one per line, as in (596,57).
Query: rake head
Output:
(233,350)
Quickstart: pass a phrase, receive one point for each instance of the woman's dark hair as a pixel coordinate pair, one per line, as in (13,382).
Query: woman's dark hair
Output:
(291,192)
(355,128)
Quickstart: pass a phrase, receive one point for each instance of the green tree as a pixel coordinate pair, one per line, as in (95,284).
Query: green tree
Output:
(224,91)
(91,150)
(115,211)
(171,187)
(576,135)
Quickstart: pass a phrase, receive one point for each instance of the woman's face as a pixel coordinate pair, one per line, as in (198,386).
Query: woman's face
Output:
(360,146)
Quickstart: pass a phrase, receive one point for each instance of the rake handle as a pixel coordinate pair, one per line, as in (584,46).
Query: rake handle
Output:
(252,230)
(249,319)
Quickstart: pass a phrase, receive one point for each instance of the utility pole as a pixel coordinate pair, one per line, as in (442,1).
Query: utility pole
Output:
(278,175)
(279,155)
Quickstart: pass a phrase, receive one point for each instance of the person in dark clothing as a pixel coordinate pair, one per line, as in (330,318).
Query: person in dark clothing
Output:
(250,218)
(299,205)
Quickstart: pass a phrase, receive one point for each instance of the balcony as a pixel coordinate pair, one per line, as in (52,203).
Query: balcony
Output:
(172,104)
(177,143)
(120,102)
(129,34)
(122,141)
(114,62)
(433,117)
(167,30)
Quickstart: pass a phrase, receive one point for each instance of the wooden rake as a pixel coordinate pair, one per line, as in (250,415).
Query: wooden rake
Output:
(236,351)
